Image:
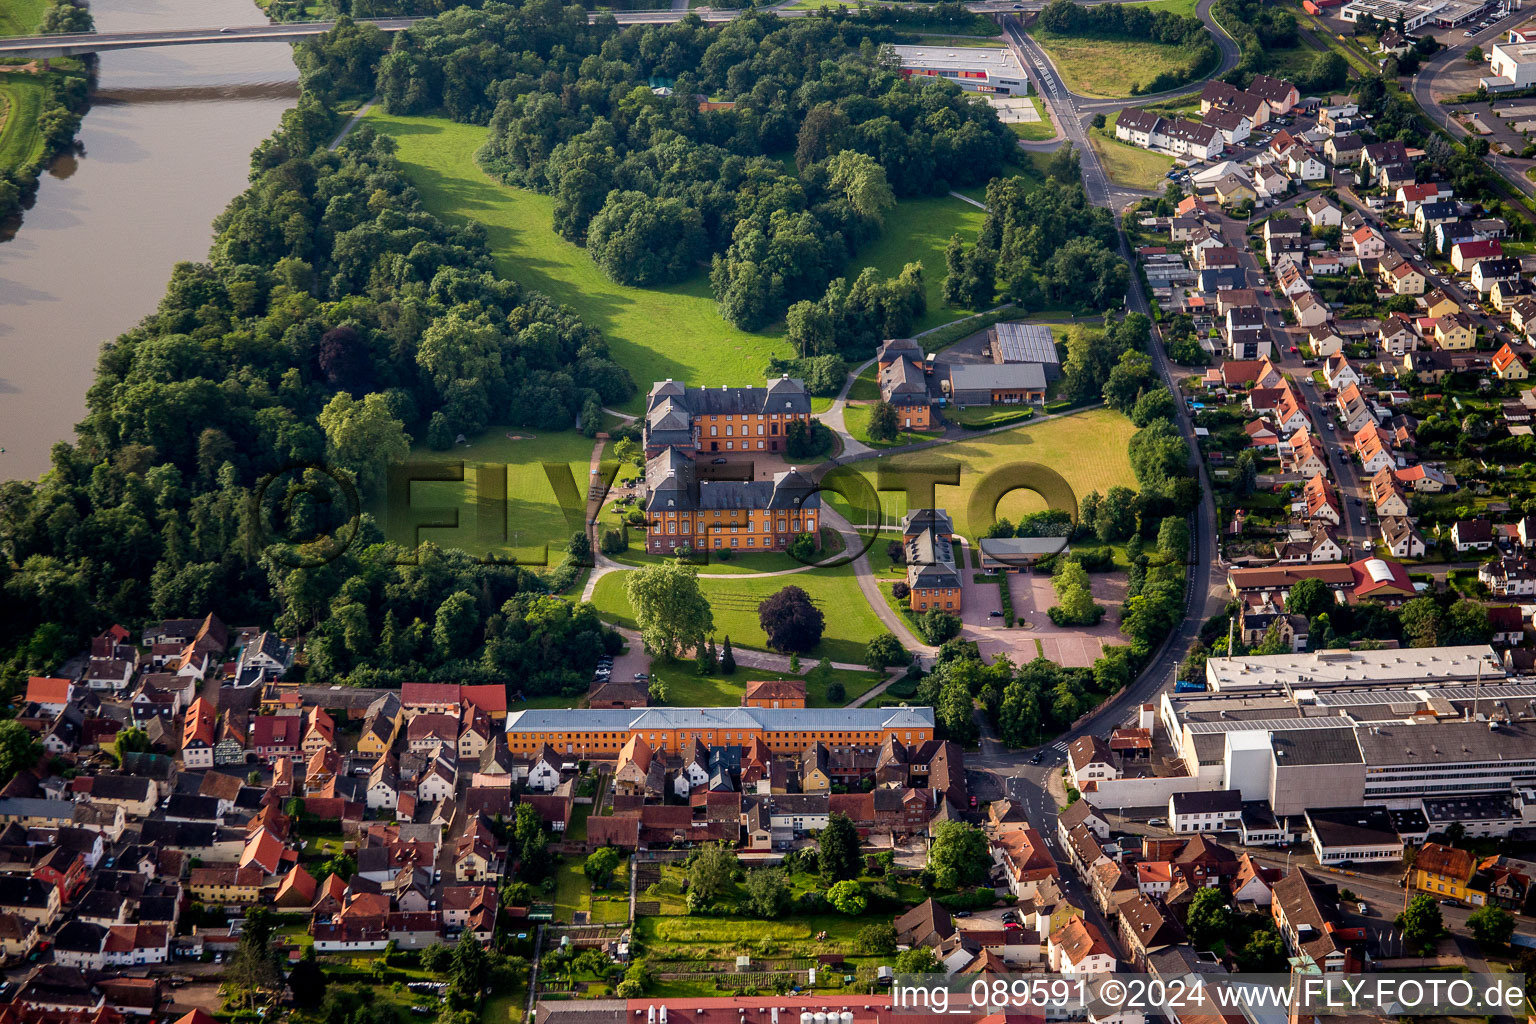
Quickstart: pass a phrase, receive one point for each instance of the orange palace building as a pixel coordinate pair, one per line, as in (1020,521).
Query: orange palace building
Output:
(599,734)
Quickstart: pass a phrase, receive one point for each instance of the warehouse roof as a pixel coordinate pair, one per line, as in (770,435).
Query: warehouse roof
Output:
(1324,668)
(987,376)
(1025,343)
(694,719)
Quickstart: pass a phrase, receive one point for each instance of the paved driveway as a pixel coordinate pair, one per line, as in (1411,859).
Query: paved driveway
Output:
(1069,646)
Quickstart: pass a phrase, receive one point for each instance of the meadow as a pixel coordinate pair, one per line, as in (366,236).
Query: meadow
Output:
(673,331)
(1104,67)
(1088,449)
(849,621)
(530,517)
(21,99)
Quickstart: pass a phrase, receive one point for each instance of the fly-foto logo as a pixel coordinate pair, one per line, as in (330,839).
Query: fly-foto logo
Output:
(308,514)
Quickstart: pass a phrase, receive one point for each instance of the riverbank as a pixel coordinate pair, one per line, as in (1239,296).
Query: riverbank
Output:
(41,104)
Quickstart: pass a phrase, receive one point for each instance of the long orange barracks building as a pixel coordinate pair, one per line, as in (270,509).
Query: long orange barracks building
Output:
(600,734)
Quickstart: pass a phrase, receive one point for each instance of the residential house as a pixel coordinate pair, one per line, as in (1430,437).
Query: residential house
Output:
(1472,535)
(1507,365)
(1465,254)
(1401,538)
(1367,243)
(1486,273)
(1455,332)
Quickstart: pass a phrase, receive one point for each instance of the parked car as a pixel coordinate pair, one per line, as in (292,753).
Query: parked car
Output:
(1156,821)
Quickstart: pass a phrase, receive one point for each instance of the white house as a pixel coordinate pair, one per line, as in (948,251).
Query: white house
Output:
(1090,760)
(1209,811)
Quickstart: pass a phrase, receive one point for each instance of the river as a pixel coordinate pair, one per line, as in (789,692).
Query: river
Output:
(164,148)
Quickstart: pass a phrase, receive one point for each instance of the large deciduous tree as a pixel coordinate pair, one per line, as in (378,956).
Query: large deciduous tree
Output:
(791,621)
(670,607)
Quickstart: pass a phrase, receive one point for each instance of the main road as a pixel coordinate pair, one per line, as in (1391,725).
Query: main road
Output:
(76,43)
(1204,580)
(1424,86)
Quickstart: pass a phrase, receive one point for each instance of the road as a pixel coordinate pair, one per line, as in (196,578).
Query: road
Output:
(74,44)
(1204,594)
(1230,55)
(1342,468)
(1101,191)
(1424,85)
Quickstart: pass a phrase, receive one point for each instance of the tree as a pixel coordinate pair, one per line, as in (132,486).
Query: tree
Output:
(1153,404)
(862,181)
(131,740)
(467,972)
(1264,951)
(1209,919)
(847,897)
(1465,622)
(363,437)
(455,626)
(958,856)
(436,958)
(709,874)
(883,651)
(1132,373)
(1309,597)
(704,659)
(769,893)
(1491,926)
(639,240)
(19,749)
(934,625)
(790,620)
(670,608)
(883,422)
(727,657)
(876,939)
(1173,541)
(1074,598)
(252,972)
(600,866)
(1421,923)
(307,981)
(837,849)
(917,960)
(1420,620)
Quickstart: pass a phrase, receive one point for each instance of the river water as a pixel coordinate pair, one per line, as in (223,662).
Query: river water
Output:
(164,148)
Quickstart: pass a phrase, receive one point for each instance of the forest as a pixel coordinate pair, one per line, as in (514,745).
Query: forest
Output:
(1040,247)
(768,150)
(233,435)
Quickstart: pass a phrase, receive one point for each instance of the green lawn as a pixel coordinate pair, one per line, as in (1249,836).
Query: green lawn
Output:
(21,99)
(1130,165)
(687,689)
(533,517)
(573,893)
(865,387)
(856,419)
(993,42)
(918,230)
(1034,131)
(850,622)
(1088,450)
(1183,7)
(675,331)
(21,17)
(1108,67)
